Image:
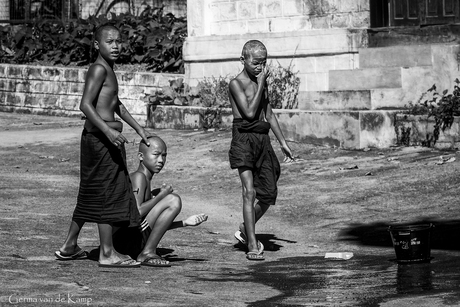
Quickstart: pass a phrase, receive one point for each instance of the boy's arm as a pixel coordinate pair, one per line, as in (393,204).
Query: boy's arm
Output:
(271,118)
(140,185)
(126,116)
(94,81)
(249,108)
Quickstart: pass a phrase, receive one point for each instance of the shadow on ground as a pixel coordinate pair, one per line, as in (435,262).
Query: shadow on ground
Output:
(365,280)
(269,242)
(444,234)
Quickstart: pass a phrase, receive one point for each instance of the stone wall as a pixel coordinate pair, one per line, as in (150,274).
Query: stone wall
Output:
(229,17)
(4,9)
(58,90)
(413,130)
(311,36)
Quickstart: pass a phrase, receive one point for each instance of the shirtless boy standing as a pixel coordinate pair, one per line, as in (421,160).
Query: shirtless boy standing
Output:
(250,151)
(105,195)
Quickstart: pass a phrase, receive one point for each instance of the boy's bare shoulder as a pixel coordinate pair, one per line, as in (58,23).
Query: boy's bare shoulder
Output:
(239,80)
(97,69)
(138,179)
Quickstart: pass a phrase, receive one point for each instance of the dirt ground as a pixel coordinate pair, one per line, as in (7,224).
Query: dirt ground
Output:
(332,200)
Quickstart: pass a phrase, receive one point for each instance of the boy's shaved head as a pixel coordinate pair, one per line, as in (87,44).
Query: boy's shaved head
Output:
(154,140)
(100,30)
(253,46)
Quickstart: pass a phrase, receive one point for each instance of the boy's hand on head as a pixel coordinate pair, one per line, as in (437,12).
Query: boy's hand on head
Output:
(144,135)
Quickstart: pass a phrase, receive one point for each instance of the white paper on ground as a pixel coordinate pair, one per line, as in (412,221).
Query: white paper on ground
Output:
(344,256)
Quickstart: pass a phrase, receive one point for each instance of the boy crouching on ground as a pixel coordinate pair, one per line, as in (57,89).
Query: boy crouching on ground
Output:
(157,208)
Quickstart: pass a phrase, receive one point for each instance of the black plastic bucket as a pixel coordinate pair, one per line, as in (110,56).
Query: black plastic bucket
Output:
(411,243)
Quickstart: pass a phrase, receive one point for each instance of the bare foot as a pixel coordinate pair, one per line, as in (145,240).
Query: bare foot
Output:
(69,249)
(195,220)
(112,257)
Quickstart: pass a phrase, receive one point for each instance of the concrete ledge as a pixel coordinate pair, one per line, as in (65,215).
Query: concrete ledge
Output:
(283,44)
(377,129)
(352,129)
(335,100)
(77,75)
(184,117)
(337,129)
(415,129)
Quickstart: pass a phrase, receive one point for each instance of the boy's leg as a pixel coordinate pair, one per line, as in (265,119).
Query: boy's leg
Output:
(107,254)
(160,218)
(249,194)
(70,244)
(259,210)
(266,181)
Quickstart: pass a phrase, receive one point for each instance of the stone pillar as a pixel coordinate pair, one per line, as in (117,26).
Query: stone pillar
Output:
(199,17)
(4,9)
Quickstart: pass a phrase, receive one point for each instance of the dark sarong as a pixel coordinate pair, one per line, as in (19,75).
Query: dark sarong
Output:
(105,195)
(131,240)
(250,147)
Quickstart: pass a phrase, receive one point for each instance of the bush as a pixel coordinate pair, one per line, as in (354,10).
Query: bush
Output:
(152,39)
(283,87)
(441,107)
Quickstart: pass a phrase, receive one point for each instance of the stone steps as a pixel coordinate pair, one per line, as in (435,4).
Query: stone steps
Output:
(395,56)
(362,79)
(358,109)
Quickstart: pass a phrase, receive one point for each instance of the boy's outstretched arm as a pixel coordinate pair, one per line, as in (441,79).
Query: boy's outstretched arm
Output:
(249,108)
(94,80)
(271,118)
(126,116)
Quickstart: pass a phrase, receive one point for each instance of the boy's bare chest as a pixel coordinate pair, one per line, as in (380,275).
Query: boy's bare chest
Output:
(110,87)
(251,90)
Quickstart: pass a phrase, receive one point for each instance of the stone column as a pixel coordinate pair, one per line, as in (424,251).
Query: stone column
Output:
(199,17)
(4,9)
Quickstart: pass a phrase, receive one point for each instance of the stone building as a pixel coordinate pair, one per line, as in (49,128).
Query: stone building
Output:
(359,61)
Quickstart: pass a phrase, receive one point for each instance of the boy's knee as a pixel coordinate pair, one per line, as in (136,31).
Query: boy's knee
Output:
(175,202)
(249,193)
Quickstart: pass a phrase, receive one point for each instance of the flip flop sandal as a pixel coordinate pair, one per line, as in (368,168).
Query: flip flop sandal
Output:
(156,262)
(256,256)
(78,255)
(127,263)
(241,237)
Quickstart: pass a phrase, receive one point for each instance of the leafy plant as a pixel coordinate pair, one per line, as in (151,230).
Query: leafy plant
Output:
(283,87)
(152,39)
(213,92)
(442,107)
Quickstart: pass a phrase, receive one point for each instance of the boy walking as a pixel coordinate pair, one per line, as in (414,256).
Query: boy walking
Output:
(105,195)
(250,150)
